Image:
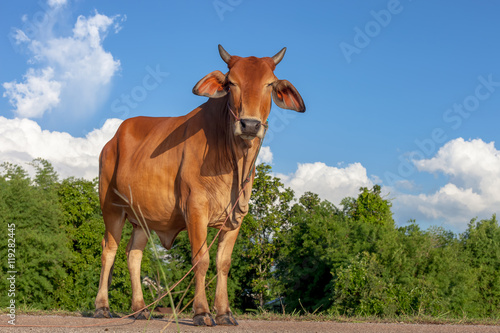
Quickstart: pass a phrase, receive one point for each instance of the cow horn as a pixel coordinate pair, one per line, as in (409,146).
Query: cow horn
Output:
(279,56)
(224,55)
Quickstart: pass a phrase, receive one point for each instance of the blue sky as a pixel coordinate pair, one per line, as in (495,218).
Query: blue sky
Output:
(405,94)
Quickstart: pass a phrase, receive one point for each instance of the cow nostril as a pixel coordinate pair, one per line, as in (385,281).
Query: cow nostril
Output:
(250,126)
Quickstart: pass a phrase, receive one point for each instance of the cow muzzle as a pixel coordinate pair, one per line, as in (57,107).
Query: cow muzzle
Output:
(249,128)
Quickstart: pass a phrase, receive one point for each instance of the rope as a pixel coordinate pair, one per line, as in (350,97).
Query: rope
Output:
(244,184)
(157,300)
(232,112)
(266,126)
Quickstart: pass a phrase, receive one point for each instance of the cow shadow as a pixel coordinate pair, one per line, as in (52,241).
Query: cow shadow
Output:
(217,156)
(180,134)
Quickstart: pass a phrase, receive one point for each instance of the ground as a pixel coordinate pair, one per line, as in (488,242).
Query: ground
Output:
(82,324)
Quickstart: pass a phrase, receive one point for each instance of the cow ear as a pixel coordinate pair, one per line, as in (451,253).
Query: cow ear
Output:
(212,85)
(287,97)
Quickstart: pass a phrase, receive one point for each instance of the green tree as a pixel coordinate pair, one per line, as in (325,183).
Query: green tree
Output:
(46,177)
(257,244)
(389,277)
(359,288)
(313,243)
(84,226)
(351,261)
(41,250)
(481,245)
(369,207)
(268,216)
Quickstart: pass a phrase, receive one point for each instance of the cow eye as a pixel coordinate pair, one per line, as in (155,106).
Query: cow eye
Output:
(230,83)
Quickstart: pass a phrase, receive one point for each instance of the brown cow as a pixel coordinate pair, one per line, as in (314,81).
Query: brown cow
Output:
(186,173)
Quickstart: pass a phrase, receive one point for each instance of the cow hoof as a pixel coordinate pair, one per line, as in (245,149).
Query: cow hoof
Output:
(102,313)
(226,320)
(203,319)
(143,315)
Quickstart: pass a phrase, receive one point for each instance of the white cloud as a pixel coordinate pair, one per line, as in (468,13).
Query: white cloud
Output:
(471,164)
(38,94)
(265,155)
(92,28)
(22,140)
(69,73)
(473,189)
(330,183)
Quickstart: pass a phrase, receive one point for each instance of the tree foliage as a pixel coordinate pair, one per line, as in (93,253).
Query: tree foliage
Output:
(41,243)
(310,254)
(369,207)
(259,234)
(59,229)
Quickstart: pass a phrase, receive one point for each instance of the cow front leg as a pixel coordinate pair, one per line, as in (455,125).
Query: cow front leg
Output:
(135,248)
(197,231)
(224,251)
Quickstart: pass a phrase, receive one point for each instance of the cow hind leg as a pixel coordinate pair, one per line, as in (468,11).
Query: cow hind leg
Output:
(112,235)
(135,249)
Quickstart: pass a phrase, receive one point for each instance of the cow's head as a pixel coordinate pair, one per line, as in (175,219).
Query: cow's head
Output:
(250,82)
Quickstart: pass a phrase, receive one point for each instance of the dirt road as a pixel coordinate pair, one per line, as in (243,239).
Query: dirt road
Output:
(80,324)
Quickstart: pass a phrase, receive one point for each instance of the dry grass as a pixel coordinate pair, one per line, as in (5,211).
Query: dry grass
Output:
(271,316)
(370,319)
